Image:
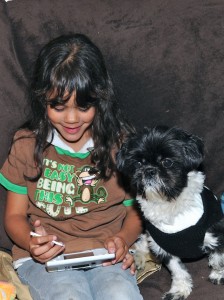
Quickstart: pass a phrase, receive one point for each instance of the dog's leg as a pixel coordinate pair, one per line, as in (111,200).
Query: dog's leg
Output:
(142,249)
(181,286)
(216,261)
(214,245)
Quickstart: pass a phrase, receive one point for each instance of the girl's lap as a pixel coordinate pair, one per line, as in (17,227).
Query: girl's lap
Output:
(99,283)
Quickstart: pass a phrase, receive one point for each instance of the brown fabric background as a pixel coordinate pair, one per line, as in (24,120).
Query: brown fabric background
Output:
(166,59)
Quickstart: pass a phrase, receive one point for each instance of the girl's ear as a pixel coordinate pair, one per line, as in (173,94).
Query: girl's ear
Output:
(193,152)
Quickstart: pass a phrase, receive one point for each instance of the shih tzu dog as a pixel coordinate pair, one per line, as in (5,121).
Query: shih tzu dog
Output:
(182,218)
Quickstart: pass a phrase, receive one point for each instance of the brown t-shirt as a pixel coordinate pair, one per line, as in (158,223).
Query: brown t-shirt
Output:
(71,203)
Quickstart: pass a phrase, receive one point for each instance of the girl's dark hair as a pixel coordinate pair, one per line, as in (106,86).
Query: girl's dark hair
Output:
(73,63)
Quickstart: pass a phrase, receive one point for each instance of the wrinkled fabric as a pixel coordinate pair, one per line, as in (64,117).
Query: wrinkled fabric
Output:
(8,274)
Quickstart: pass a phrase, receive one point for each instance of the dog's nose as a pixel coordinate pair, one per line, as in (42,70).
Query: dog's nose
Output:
(150,172)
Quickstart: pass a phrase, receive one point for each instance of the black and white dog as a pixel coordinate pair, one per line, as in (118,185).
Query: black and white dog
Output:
(182,218)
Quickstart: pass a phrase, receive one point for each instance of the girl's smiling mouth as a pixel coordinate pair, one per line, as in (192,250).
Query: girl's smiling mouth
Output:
(71,130)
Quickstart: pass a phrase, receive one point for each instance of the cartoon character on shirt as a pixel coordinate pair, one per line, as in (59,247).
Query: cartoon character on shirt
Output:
(86,180)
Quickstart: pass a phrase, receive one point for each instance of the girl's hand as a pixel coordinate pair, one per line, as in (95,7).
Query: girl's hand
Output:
(128,262)
(118,246)
(42,248)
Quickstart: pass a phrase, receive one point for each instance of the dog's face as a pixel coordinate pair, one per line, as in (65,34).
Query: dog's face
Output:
(159,159)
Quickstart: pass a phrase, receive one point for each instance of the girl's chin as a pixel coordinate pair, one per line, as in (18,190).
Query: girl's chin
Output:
(71,140)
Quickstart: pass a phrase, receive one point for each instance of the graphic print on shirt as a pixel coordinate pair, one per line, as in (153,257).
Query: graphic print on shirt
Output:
(86,183)
(63,189)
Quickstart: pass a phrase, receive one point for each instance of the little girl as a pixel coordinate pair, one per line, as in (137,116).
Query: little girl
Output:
(62,181)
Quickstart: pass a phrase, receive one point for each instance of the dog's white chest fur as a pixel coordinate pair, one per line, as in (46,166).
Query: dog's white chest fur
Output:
(179,214)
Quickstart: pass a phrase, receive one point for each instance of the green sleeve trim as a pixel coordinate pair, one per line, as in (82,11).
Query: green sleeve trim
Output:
(128,202)
(12,187)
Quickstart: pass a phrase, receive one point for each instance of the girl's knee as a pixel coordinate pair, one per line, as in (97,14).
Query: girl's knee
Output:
(59,292)
(120,289)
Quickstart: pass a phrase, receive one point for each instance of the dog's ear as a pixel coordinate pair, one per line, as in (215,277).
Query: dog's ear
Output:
(193,152)
(120,158)
(125,157)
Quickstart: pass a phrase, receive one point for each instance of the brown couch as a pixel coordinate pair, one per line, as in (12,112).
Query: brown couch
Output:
(167,63)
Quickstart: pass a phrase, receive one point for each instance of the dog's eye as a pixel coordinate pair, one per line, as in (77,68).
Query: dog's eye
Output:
(138,164)
(141,162)
(167,162)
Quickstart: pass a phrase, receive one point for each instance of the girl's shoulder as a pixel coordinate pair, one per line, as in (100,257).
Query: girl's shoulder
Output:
(24,134)
(24,138)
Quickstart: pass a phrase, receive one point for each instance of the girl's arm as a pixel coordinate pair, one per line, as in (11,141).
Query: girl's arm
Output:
(129,233)
(16,223)
(18,228)
(132,226)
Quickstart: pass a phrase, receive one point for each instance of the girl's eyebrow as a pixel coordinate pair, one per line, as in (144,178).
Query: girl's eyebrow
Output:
(58,99)
(65,98)
(56,94)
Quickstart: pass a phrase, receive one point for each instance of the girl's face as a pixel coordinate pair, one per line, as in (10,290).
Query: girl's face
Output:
(72,123)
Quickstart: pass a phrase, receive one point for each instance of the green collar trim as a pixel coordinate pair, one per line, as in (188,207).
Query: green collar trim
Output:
(12,187)
(74,155)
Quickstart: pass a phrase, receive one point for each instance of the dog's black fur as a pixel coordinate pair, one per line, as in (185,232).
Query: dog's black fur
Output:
(183,219)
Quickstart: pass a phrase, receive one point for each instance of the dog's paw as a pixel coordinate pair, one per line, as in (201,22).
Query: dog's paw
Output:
(171,296)
(180,290)
(141,252)
(216,277)
(140,260)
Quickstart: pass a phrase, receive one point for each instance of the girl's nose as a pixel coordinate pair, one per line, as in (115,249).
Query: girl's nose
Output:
(72,116)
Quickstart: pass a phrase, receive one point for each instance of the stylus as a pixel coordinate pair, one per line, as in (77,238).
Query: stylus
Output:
(55,242)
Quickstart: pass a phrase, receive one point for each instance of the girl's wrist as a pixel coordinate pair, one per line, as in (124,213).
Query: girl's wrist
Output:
(121,236)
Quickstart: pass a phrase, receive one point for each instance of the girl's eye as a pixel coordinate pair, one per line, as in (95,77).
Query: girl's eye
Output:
(167,162)
(84,108)
(59,108)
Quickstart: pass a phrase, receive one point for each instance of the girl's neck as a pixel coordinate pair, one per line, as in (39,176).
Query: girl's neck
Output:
(79,146)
